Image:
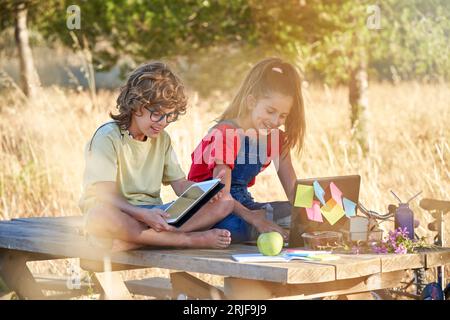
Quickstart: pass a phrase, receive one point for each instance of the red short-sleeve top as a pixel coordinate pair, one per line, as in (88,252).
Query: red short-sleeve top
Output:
(221,146)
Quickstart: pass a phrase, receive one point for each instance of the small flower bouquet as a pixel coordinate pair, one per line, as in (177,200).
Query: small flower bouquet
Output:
(398,242)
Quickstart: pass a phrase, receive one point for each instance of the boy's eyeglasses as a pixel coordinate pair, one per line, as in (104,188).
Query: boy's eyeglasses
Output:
(157,116)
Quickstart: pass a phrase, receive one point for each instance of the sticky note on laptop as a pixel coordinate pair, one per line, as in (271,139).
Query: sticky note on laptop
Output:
(304,196)
(336,194)
(332,211)
(314,213)
(349,207)
(319,192)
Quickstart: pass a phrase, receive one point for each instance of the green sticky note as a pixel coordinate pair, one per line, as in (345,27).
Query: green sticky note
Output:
(304,196)
(332,211)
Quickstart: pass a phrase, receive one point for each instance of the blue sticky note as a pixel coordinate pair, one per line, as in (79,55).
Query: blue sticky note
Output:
(319,192)
(349,207)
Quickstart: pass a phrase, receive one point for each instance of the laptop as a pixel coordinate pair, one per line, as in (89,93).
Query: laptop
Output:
(349,185)
(191,200)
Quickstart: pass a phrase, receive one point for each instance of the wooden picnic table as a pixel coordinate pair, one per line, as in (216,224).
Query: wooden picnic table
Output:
(46,238)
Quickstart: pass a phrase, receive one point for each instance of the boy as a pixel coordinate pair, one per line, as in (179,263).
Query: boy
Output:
(128,159)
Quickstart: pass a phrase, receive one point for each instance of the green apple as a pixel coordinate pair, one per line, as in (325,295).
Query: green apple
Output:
(270,243)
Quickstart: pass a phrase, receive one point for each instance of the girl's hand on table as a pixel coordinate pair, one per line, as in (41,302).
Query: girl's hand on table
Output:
(263,225)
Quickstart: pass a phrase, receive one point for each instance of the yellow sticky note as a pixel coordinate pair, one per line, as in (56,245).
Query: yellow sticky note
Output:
(332,211)
(304,196)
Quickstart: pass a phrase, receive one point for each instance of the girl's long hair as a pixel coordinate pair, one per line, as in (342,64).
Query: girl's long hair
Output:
(273,75)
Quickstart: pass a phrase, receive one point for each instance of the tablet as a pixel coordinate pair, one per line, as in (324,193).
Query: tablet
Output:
(192,199)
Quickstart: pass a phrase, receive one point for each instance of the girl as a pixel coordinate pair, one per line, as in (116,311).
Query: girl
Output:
(247,138)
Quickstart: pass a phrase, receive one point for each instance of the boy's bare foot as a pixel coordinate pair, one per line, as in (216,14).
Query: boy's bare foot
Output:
(214,238)
(120,245)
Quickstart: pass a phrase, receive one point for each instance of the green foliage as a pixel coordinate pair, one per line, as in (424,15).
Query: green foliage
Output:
(415,40)
(153,29)
(36,9)
(325,38)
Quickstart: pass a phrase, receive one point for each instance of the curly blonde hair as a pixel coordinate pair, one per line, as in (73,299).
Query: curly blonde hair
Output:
(154,85)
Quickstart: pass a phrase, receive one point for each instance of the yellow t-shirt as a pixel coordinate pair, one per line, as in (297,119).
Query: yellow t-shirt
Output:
(138,167)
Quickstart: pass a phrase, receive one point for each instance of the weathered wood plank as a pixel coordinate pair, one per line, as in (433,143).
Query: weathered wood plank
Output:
(350,267)
(194,288)
(393,262)
(60,228)
(112,285)
(249,289)
(99,266)
(157,287)
(51,243)
(9,236)
(36,236)
(434,259)
(203,261)
(74,221)
(21,228)
(219,262)
(278,272)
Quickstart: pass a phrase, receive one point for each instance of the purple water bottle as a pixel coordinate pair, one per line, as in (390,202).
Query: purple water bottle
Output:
(404,217)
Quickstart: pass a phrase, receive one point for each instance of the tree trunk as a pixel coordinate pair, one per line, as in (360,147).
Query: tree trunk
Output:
(359,101)
(28,76)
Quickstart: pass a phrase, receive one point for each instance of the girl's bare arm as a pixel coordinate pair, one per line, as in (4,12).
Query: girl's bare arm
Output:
(256,217)
(287,176)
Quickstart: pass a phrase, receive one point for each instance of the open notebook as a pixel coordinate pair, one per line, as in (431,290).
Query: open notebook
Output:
(286,256)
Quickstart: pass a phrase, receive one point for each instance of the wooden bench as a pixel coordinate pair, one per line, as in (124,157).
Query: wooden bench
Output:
(157,287)
(34,239)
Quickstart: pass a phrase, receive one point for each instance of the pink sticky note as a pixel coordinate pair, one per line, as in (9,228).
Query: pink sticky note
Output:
(336,194)
(314,213)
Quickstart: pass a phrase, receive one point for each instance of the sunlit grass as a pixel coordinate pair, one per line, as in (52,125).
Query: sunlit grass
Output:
(42,142)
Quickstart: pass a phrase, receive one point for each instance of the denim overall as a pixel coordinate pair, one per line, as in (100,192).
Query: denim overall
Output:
(246,167)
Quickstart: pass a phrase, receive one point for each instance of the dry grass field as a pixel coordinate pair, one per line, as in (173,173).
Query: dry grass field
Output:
(42,142)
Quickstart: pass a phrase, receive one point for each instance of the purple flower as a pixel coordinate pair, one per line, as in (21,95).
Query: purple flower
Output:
(400,249)
(405,231)
(396,242)
(380,249)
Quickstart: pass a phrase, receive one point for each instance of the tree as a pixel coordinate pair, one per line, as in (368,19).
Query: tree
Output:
(336,41)
(18,16)
(416,41)
(327,38)
(341,41)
